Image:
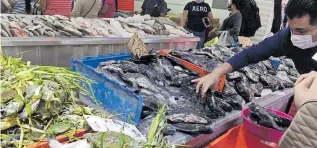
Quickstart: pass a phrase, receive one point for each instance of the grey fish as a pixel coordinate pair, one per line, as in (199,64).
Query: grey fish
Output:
(130,67)
(213,107)
(5,26)
(235,101)
(288,62)
(49,33)
(293,72)
(262,117)
(4,33)
(271,82)
(28,32)
(186,118)
(256,89)
(229,90)
(235,76)
(139,80)
(287,82)
(268,65)
(193,128)
(113,76)
(250,74)
(243,88)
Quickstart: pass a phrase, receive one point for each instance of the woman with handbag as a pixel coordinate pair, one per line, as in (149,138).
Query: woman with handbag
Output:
(232,24)
(84,8)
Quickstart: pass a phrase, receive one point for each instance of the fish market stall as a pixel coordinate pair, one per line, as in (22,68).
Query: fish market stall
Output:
(52,40)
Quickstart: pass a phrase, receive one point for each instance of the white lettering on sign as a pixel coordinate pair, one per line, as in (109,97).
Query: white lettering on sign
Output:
(315,57)
(99,124)
(199,8)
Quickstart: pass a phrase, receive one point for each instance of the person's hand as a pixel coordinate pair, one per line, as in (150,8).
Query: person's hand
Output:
(209,81)
(305,88)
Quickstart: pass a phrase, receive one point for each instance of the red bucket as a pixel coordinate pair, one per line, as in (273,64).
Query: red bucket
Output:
(264,133)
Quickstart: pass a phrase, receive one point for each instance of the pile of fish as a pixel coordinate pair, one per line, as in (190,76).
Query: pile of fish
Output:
(163,80)
(40,102)
(248,82)
(267,119)
(61,26)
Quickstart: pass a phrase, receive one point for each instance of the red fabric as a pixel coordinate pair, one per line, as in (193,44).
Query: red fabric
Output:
(292,110)
(111,9)
(238,137)
(58,7)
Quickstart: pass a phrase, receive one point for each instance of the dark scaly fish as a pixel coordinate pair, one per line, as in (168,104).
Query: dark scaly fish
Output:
(243,88)
(250,74)
(271,82)
(256,89)
(260,116)
(223,104)
(139,80)
(268,65)
(293,72)
(193,128)
(286,81)
(213,106)
(228,90)
(288,62)
(235,76)
(235,101)
(129,67)
(186,118)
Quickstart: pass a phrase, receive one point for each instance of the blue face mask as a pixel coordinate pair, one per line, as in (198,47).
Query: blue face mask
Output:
(201,1)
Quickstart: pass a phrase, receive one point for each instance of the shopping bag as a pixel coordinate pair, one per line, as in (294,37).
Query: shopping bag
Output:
(212,42)
(225,39)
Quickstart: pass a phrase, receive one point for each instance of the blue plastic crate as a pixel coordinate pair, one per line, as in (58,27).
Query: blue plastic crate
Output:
(115,98)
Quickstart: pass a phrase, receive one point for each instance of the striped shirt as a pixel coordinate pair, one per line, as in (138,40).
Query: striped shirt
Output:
(19,7)
(58,7)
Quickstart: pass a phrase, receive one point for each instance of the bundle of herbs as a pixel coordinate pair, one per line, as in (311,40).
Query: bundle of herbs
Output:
(39,102)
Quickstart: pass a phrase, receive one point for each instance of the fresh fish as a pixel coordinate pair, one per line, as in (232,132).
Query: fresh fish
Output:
(186,118)
(271,82)
(213,106)
(235,76)
(129,67)
(293,72)
(113,76)
(235,101)
(268,65)
(14,25)
(193,128)
(260,116)
(5,26)
(243,89)
(182,79)
(250,74)
(288,62)
(30,34)
(256,89)
(4,33)
(286,81)
(223,104)
(229,90)
(139,80)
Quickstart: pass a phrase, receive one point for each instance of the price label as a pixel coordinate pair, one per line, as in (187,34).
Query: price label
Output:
(99,124)
(137,46)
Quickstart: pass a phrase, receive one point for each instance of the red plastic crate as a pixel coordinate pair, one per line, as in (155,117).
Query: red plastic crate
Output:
(126,5)
(292,110)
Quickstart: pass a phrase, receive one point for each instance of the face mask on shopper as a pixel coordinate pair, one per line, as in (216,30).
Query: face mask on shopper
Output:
(303,41)
(201,1)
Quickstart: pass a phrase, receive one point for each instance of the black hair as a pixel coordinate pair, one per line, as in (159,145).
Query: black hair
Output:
(299,8)
(238,4)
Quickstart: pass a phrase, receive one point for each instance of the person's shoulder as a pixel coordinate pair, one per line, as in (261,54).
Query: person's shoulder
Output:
(284,33)
(206,4)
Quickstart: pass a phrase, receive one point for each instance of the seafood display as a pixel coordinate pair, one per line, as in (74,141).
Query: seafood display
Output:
(267,119)
(249,81)
(162,80)
(61,26)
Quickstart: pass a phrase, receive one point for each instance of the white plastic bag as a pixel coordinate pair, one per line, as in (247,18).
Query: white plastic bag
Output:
(225,39)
